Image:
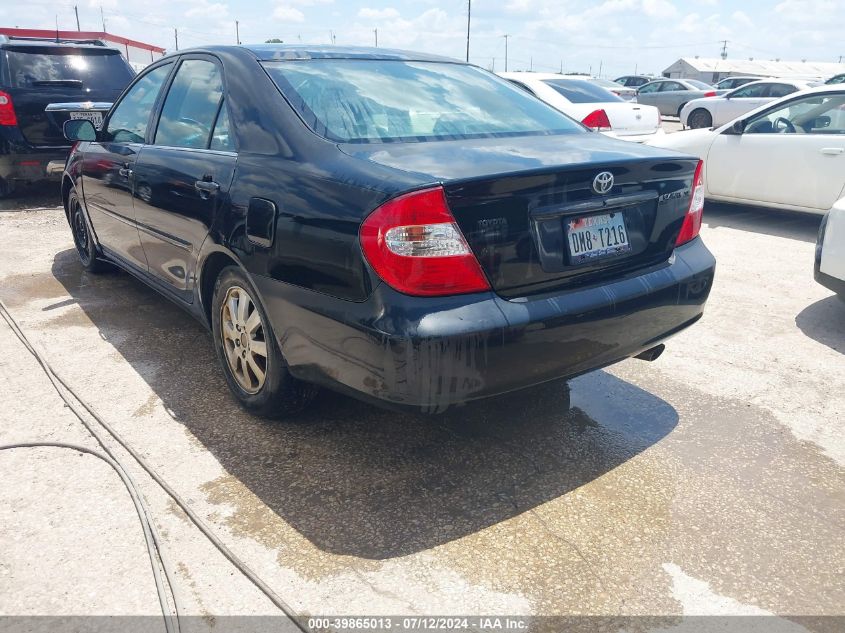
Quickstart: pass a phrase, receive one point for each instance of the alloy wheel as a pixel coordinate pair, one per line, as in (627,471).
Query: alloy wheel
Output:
(242,333)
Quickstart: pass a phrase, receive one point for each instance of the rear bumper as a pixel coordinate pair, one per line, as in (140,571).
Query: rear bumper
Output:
(827,280)
(21,161)
(429,353)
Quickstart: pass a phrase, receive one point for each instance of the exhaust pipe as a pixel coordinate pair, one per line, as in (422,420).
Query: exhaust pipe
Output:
(651,354)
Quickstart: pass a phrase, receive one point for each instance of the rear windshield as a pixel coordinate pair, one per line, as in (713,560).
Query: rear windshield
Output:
(699,84)
(378,101)
(580,91)
(103,70)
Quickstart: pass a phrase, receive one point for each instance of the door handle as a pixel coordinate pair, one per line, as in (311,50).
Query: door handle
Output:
(206,188)
(125,172)
(832,151)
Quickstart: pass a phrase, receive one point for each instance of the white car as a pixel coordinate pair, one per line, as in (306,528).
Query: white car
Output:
(592,105)
(830,251)
(719,110)
(789,154)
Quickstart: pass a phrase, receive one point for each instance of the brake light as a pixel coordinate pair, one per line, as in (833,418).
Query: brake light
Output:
(692,220)
(712,93)
(597,119)
(7,110)
(414,245)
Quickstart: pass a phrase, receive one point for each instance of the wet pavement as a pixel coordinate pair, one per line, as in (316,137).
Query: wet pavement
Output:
(707,482)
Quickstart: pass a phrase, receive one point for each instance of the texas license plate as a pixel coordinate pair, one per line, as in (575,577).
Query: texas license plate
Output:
(596,236)
(96,118)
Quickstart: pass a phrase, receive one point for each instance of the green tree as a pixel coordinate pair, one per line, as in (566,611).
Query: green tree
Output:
(274,40)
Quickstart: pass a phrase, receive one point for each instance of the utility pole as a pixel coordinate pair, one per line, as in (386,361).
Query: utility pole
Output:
(331,34)
(531,63)
(561,66)
(76,11)
(237,33)
(103,18)
(375,32)
(469,10)
(725,49)
(176,35)
(506,51)
(601,63)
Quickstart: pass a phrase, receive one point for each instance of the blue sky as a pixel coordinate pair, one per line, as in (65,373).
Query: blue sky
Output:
(608,36)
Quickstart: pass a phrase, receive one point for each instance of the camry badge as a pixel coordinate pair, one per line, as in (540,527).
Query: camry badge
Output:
(603,183)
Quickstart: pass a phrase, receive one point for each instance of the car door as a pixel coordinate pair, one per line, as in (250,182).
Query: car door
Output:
(107,166)
(740,101)
(671,97)
(647,94)
(182,177)
(791,154)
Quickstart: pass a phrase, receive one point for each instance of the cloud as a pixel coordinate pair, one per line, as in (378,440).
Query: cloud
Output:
(659,8)
(289,14)
(378,14)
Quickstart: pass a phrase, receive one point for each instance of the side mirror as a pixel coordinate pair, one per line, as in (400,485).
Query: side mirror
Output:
(79,130)
(738,127)
(821,122)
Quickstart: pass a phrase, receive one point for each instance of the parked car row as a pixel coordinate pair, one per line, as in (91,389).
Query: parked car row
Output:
(416,231)
(588,101)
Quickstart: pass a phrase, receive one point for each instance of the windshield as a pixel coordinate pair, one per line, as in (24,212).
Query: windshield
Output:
(699,84)
(105,70)
(377,101)
(580,91)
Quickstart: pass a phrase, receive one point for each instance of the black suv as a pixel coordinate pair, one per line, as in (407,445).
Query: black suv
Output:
(35,73)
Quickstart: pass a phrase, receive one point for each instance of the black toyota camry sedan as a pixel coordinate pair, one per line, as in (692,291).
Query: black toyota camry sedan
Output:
(402,227)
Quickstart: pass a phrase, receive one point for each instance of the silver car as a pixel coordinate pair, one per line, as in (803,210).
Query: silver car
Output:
(670,95)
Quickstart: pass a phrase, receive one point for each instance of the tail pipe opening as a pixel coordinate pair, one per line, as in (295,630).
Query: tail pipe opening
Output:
(651,354)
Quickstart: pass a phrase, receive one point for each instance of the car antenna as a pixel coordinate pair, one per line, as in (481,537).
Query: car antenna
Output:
(57,28)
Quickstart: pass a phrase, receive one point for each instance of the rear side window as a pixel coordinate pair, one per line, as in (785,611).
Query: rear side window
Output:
(578,91)
(222,139)
(103,70)
(191,106)
(128,122)
(781,90)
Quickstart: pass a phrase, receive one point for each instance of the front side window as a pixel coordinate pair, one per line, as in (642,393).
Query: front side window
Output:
(669,86)
(578,91)
(816,114)
(651,87)
(191,106)
(378,101)
(128,122)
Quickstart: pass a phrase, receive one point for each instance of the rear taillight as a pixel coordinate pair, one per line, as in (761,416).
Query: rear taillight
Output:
(597,119)
(7,110)
(414,245)
(710,94)
(692,220)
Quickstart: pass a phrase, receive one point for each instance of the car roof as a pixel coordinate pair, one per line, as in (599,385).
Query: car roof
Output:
(281,52)
(25,42)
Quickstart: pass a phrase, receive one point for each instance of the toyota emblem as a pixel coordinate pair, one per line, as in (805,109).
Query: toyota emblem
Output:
(603,183)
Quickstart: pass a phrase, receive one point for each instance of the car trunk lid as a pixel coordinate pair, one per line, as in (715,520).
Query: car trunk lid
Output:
(515,201)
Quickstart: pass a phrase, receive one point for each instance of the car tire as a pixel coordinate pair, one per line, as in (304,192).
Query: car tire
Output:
(700,118)
(246,347)
(83,238)
(678,113)
(7,188)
